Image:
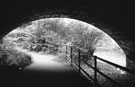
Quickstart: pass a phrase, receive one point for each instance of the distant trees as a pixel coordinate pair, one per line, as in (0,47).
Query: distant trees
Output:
(85,37)
(49,31)
(92,38)
(43,35)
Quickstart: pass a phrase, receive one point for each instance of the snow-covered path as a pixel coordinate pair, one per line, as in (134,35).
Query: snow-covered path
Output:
(46,62)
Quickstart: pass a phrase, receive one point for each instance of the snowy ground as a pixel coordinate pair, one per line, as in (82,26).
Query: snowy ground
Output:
(46,62)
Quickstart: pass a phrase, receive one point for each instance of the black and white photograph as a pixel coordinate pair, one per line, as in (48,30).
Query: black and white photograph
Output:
(67,44)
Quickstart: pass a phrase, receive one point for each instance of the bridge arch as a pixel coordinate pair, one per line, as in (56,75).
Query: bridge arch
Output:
(102,45)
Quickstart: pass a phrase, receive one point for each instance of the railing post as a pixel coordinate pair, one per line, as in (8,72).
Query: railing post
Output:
(79,60)
(71,55)
(95,72)
(66,51)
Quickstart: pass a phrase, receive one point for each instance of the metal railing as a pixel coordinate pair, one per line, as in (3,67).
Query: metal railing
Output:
(95,68)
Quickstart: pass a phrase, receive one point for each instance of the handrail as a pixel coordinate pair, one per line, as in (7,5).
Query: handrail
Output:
(96,70)
(95,65)
(113,64)
(116,65)
(89,75)
(103,74)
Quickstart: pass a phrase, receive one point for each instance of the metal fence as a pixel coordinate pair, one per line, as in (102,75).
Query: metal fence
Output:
(78,60)
(73,54)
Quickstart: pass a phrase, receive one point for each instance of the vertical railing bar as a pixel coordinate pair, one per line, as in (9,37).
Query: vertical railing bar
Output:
(66,51)
(79,60)
(95,72)
(71,55)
